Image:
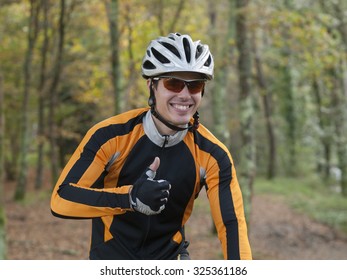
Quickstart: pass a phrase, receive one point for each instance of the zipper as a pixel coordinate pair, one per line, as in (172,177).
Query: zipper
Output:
(148,224)
(166,141)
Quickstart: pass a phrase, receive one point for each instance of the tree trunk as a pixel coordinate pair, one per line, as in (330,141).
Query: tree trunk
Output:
(289,114)
(2,182)
(267,102)
(53,98)
(131,80)
(340,10)
(340,119)
(248,165)
(112,9)
(42,98)
(176,17)
(285,72)
(325,137)
(218,98)
(24,146)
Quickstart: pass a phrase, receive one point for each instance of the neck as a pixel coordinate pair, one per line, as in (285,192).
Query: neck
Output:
(166,126)
(162,128)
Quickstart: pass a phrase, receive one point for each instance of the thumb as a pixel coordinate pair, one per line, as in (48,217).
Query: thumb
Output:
(153,168)
(155,164)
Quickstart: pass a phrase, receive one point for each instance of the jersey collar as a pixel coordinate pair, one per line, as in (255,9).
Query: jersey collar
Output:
(158,139)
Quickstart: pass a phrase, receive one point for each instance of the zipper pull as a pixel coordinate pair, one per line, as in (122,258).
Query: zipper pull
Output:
(166,140)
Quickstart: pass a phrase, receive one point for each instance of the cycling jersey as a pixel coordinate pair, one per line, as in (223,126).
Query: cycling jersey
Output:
(96,182)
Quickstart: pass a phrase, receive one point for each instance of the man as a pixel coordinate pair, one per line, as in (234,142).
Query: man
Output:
(136,175)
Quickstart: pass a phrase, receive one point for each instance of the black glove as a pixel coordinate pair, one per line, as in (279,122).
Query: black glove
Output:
(149,196)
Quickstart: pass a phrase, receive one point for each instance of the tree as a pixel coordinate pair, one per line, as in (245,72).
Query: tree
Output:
(267,107)
(2,193)
(42,97)
(248,165)
(223,62)
(112,9)
(341,119)
(56,71)
(24,147)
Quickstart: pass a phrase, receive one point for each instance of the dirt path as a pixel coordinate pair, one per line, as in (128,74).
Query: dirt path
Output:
(277,232)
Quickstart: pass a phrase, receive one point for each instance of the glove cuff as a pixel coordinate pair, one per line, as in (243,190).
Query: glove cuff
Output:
(132,203)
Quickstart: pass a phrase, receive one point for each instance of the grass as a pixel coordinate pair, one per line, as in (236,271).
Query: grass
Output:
(310,196)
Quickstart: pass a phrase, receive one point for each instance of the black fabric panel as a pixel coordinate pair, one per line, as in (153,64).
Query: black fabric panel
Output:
(225,195)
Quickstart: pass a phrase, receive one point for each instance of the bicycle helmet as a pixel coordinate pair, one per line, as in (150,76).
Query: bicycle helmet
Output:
(177,53)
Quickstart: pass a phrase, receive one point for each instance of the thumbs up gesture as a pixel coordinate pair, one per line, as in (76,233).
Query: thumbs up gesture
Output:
(149,196)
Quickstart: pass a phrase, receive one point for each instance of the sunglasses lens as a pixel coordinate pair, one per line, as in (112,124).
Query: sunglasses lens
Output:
(195,86)
(174,85)
(177,85)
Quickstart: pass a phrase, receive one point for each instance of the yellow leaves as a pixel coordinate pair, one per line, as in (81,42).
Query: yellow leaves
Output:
(92,89)
(76,46)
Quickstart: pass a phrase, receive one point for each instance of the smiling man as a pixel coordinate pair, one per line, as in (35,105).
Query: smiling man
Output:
(137,174)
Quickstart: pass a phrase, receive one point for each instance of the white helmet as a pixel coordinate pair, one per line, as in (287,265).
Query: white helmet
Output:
(177,53)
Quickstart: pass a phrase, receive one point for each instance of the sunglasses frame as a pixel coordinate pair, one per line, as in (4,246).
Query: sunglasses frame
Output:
(186,83)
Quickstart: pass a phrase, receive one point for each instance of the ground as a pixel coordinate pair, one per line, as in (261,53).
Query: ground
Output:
(275,231)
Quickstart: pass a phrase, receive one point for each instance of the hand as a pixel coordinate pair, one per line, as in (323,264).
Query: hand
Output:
(149,196)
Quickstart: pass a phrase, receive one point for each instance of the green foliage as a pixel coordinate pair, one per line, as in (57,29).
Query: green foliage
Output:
(309,195)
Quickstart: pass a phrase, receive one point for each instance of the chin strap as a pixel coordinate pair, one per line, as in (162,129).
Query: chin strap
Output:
(151,103)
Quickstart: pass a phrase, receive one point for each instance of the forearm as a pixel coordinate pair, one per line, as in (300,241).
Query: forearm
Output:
(72,201)
(228,214)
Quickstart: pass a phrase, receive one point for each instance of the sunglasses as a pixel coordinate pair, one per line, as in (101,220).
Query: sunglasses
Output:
(177,85)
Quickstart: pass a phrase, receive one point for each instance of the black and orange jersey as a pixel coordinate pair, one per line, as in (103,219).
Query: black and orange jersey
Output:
(96,182)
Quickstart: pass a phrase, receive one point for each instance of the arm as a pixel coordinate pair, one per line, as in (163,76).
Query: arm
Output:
(74,194)
(226,204)
(80,193)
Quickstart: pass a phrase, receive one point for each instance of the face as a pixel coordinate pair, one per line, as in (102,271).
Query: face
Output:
(176,108)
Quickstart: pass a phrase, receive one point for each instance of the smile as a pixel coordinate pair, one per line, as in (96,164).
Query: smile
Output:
(181,107)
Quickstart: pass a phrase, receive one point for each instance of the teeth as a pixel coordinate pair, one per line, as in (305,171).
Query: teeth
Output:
(181,107)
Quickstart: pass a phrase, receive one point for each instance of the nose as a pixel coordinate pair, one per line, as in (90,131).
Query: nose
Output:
(184,92)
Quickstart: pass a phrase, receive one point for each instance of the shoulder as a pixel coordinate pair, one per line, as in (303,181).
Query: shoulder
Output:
(129,118)
(209,144)
(203,136)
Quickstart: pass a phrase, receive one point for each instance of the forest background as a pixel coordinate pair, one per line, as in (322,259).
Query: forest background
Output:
(278,99)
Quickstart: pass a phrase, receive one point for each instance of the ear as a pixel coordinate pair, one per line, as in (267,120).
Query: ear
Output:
(148,83)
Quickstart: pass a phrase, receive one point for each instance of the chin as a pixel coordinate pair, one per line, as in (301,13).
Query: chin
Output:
(181,122)
(180,119)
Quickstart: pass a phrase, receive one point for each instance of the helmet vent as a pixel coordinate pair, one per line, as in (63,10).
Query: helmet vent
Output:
(199,50)
(171,48)
(148,65)
(187,50)
(208,61)
(159,56)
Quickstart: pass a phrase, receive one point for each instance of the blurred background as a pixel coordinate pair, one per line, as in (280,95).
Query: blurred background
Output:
(278,101)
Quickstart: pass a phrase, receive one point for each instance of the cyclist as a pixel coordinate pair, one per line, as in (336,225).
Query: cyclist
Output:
(137,174)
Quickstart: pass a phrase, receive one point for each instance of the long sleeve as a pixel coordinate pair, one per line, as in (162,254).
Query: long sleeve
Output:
(88,185)
(79,192)
(227,209)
